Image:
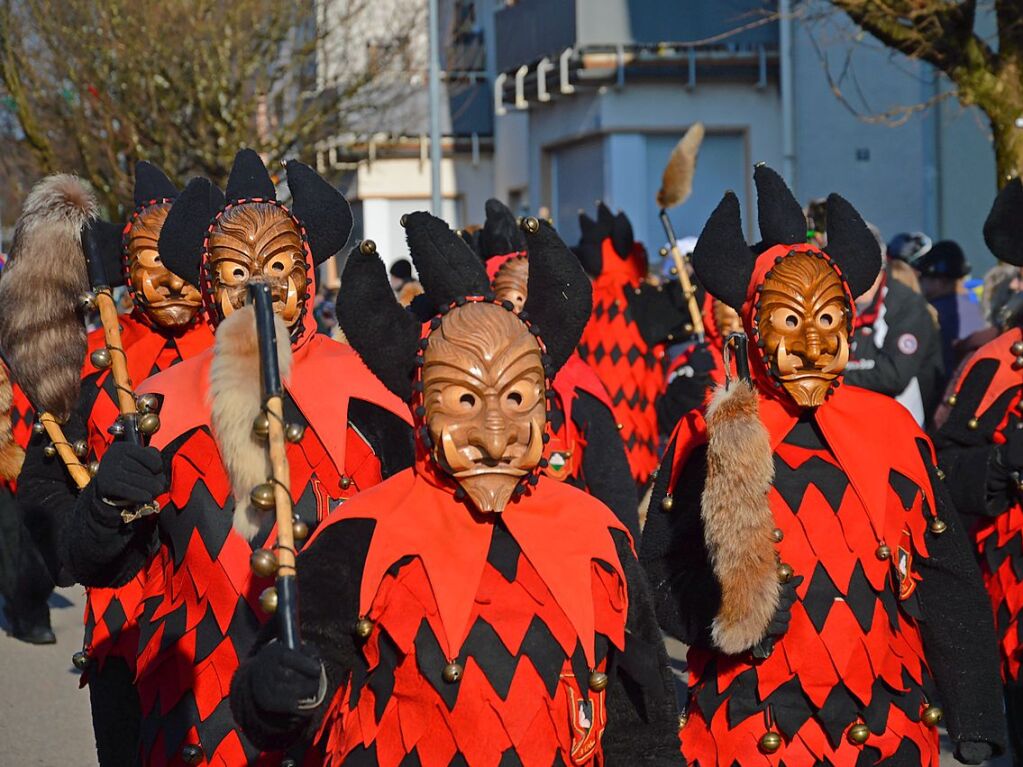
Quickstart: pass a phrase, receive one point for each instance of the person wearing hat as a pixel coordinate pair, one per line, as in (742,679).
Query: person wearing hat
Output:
(201,607)
(942,270)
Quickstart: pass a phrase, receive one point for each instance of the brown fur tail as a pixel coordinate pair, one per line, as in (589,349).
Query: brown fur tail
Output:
(737,518)
(41,329)
(11,454)
(236,400)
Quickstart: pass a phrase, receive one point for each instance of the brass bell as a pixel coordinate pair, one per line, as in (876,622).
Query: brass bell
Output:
(531,225)
(938,526)
(973,423)
(368,247)
(80,448)
(683,719)
(777,535)
(403,220)
(951,401)
(620,426)
(931,716)
(346,482)
(261,426)
(667,503)
(940,473)
(770,742)
(148,403)
(116,429)
(38,428)
(452,673)
(87,301)
(785,573)
(149,424)
(1017,363)
(883,552)
(674,271)
(101,358)
(300,529)
(294,432)
(81,660)
(663,252)
(263,563)
(598,681)
(268,600)
(93,467)
(1017,348)
(363,628)
(858,734)
(688,327)
(191,754)
(262,497)
(49,451)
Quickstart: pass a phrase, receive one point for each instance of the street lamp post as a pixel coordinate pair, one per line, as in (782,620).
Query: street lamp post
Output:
(435,147)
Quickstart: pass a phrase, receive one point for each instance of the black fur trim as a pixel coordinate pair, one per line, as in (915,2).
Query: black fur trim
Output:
(1003,229)
(851,245)
(501,234)
(184,231)
(383,334)
(447,267)
(721,259)
(101,240)
(249,178)
(560,296)
(151,183)
(321,208)
(781,218)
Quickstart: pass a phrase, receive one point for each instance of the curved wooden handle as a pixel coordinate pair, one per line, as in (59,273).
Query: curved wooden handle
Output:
(79,474)
(118,359)
(282,487)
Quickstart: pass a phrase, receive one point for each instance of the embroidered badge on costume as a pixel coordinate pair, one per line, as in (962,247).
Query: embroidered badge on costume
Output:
(907,343)
(588,719)
(904,566)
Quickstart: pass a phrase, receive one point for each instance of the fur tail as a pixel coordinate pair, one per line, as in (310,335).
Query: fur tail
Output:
(11,454)
(41,328)
(236,400)
(737,518)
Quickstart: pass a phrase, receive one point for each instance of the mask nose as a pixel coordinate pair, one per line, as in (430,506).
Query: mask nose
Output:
(812,345)
(494,435)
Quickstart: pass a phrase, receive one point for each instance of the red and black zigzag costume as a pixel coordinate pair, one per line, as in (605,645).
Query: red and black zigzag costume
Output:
(883,605)
(531,604)
(979,426)
(624,339)
(200,608)
(586,447)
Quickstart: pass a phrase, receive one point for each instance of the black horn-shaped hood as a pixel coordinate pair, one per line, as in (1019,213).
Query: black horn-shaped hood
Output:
(1003,229)
(152,185)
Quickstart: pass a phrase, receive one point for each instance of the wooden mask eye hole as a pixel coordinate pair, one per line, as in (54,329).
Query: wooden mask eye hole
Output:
(791,321)
(468,401)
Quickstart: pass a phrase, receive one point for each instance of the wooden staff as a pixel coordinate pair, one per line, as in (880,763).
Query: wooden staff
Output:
(280,481)
(688,290)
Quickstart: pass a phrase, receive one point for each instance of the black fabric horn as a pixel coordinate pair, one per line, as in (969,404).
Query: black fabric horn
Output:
(249,178)
(151,183)
(383,334)
(851,245)
(102,240)
(589,251)
(721,259)
(447,267)
(622,237)
(781,218)
(183,233)
(560,296)
(323,210)
(1003,229)
(501,234)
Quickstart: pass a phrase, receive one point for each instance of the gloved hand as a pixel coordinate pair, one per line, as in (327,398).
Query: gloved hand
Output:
(129,475)
(780,623)
(973,752)
(284,681)
(1010,454)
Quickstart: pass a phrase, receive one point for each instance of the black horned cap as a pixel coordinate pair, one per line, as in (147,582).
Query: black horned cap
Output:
(851,245)
(184,232)
(447,267)
(102,241)
(249,178)
(1003,229)
(322,209)
(501,234)
(589,251)
(384,335)
(722,260)
(151,184)
(781,218)
(559,294)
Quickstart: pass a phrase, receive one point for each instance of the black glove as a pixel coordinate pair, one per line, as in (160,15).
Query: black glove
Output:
(780,622)
(1010,454)
(284,681)
(973,752)
(129,475)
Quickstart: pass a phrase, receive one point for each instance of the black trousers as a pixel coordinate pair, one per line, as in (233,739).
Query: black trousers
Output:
(116,713)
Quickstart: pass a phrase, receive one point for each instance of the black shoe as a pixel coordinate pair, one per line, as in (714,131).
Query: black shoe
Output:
(32,632)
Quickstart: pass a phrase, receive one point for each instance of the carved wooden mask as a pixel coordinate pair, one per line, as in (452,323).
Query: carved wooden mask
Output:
(726,319)
(169,301)
(803,322)
(511,280)
(484,395)
(259,240)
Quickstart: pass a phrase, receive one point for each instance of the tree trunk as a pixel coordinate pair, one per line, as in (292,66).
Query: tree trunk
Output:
(1008,144)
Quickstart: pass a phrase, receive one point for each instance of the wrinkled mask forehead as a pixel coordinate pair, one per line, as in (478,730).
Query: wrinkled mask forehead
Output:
(803,317)
(259,241)
(484,395)
(166,299)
